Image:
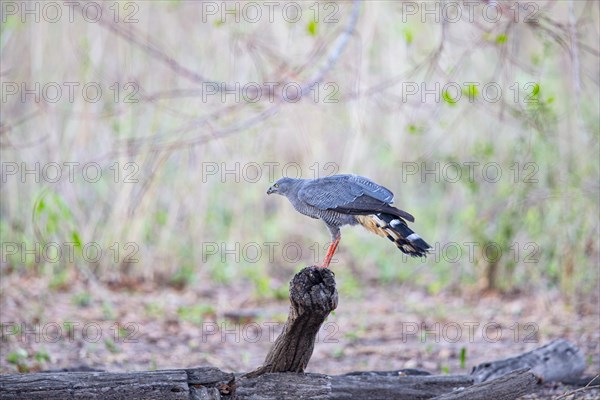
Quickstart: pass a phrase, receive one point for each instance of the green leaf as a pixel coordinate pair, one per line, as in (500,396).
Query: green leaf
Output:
(76,239)
(463,357)
(174,3)
(184,276)
(108,310)
(41,356)
(195,313)
(161,217)
(471,91)
(41,206)
(82,299)
(408,36)
(15,357)
(447,98)
(414,129)
(434,287)
(111,346)
(116,127)
(312,28)
(500,39)
(11,22)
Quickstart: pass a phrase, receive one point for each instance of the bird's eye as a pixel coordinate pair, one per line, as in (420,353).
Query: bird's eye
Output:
(276,185)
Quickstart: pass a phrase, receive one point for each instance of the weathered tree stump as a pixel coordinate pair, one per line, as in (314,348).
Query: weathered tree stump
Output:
(312,296)
(559,360)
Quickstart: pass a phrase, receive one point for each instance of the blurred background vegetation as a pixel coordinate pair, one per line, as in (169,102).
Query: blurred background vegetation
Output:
(185,171)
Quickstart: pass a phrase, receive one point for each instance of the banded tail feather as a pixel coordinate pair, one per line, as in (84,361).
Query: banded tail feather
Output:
(396,230)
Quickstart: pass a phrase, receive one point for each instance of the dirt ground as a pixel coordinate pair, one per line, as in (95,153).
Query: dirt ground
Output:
(387,327)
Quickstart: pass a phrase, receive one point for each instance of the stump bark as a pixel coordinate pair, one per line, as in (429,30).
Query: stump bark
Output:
(313,296)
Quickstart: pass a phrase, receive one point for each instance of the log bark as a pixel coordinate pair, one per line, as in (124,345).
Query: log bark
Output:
(507,387)
(557,361)
(377,387)
(170,385)
(213,384)
(312,296)
(177,384)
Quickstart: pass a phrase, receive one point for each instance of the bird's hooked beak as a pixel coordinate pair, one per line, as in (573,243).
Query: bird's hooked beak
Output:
(271,190)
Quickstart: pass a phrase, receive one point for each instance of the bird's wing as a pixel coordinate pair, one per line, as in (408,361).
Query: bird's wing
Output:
(349,194)
(329,192)
(372,189)
(365,205)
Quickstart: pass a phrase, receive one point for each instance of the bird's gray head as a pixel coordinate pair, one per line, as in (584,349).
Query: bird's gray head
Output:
(282,186)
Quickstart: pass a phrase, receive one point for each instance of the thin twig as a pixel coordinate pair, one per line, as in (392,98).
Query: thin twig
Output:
(129,35)
(336,51)
(586,387)
(332,58)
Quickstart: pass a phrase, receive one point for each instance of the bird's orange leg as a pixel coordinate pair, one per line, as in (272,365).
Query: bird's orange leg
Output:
(330,252)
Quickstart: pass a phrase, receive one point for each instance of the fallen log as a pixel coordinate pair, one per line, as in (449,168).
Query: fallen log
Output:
(558,361)
(213,384)
(507,387)
(395,387)
(168,385)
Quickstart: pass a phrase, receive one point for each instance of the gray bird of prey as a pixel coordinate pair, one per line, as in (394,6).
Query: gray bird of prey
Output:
(349,200)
